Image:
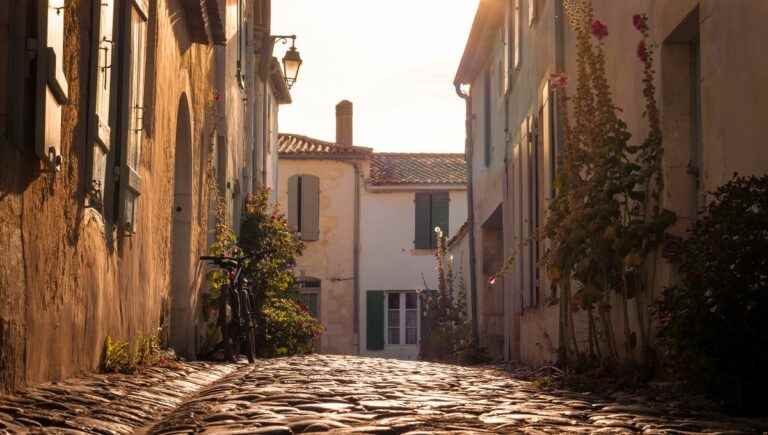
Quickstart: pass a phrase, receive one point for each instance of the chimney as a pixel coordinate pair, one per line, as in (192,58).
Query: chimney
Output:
(344,123)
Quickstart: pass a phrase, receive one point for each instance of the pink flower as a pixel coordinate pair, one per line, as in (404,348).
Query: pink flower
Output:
(642,51)
(558,80)
(640,21)
(492,280)
(599,30)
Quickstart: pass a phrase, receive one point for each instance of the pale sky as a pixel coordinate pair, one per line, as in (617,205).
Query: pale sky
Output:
(395,60)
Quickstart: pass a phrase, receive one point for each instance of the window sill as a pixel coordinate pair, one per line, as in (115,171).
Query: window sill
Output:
(423,252)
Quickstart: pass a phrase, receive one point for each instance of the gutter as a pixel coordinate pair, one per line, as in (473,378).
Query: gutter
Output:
(468,150)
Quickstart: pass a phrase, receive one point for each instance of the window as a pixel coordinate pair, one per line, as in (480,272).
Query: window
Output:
(432,210)
(504,64)
(131,111)
(402,318)
(309,295)
(516,29)
(487,121)
(304,206)
(242,42)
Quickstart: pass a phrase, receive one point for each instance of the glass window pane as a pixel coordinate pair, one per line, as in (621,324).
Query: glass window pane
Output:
(394,335)
(410,300)
(130,211)
(411,335)
(411,319)
(393,301)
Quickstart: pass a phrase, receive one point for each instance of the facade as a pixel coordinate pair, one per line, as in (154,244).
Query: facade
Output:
(367,219)
(107,128)
(709,121)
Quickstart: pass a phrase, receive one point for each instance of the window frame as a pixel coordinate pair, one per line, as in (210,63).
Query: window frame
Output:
(402,326)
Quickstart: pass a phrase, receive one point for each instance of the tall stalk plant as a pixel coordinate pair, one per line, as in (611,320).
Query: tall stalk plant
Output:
(605,222)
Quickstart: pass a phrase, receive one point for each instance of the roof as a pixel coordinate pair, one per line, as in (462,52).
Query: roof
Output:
(418,168)
(459,235)
(489,16)
(304,147)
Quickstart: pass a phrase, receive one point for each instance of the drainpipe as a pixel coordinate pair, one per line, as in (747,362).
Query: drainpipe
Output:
(470,213)
(356,257)
(560,67)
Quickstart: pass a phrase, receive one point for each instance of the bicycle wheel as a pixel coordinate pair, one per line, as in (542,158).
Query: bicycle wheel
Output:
(225,323)
(250,344)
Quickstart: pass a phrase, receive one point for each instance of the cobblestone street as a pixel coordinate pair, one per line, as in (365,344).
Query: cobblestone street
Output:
(337,394)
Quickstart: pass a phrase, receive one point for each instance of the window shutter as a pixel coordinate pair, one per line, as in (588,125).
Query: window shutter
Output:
(101,130)
(293,203)
(506,50)
(423,230)
(518,32)
(375,320)
(51,88)
(440,206)
(310,207)
(133,107)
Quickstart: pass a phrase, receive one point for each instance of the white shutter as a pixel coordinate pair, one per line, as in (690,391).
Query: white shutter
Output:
(134,44)
(51,90)
(100,124)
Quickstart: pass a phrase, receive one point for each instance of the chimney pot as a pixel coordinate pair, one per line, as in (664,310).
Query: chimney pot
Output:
(344,123)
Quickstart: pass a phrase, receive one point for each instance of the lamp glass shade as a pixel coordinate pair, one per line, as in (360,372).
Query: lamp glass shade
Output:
(291,65)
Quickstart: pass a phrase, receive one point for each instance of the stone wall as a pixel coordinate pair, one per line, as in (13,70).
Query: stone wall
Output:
(66,282)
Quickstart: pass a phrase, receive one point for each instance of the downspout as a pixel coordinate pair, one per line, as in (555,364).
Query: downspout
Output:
(356,256)
(559,67)
(468,150)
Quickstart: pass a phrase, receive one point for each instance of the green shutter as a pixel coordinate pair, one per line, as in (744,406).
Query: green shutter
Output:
(440,205)
(293,203)
(423,230)
(310,207)
(375,320)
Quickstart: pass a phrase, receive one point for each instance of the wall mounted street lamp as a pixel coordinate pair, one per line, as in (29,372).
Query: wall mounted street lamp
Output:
(291,61)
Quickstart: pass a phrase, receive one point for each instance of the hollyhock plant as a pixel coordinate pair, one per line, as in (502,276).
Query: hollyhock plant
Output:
(558,81)
(599,30)
(642,51)
(640,21)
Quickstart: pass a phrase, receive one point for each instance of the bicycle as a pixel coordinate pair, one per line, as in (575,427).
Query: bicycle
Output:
(236,309)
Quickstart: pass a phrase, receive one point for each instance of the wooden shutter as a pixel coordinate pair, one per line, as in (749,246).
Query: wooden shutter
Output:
(374,320)
(517,34)
(134,44)
(422,221)
(310,207)
(100,124)
(293,203)
(440,206)
(51,88)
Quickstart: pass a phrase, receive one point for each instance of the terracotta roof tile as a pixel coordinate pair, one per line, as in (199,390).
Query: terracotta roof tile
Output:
(296,145)
(418,168)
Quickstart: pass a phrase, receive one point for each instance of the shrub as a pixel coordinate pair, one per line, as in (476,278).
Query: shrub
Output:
(714,322)
(446,334)
(283,326)
(128,356)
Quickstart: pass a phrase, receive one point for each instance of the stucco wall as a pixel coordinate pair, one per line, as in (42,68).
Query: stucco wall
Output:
(63,285)
(733,98)
(331,258)
(388,260)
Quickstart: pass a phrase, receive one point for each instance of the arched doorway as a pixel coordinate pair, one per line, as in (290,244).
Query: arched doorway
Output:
(182,309)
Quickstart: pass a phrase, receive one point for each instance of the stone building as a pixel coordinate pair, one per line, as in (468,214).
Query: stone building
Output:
(110,113)
(367,220)
(710,79)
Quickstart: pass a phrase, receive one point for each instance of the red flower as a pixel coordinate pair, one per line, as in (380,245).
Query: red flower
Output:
(642,51)
(558,80)
(640,21)
(599,30)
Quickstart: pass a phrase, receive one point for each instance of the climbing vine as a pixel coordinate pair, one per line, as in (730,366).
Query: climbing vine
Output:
(605,222)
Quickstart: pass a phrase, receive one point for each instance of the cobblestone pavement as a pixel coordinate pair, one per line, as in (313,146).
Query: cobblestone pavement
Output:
(106,404)
(337,394)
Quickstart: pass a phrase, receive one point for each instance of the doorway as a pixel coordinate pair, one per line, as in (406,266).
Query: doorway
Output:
(182,337)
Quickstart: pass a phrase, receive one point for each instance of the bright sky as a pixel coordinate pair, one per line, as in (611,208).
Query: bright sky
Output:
(395,60)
